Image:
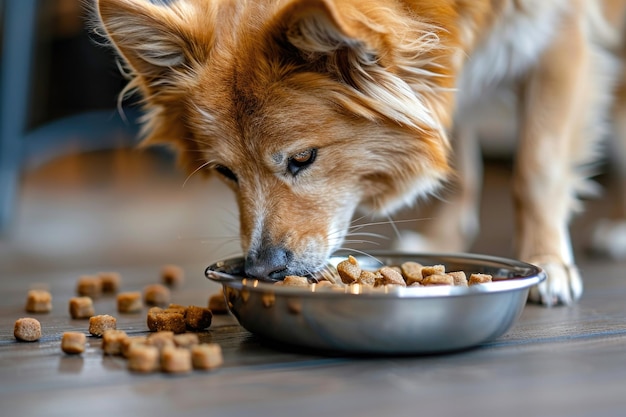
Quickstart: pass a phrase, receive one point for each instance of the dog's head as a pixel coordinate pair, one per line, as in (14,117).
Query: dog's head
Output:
(306,108)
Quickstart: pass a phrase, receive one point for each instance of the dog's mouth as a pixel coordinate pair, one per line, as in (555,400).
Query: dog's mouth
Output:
(275,263)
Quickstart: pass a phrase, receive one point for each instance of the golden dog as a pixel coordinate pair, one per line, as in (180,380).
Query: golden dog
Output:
(295,101)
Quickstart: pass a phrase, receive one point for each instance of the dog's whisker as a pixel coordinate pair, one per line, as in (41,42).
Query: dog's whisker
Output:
(204,165)
(377,235)
(394,227)
(349,242)
(389,221)
(361,253)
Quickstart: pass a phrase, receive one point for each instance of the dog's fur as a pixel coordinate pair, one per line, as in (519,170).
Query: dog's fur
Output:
(310,108)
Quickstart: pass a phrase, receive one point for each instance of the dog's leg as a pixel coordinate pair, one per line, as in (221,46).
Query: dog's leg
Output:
(454,222)
(609,236)
(557,116)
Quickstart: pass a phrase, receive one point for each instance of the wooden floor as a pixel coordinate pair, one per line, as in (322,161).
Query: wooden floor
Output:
(128,212)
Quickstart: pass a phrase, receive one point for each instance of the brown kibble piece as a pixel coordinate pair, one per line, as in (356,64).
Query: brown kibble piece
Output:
(143,358)
(391,276)
(152,318)
(206,356)
(81,307)
(459,277)
(89,286)
(217,303)
(156,295)
(166,321)
(112,341)
(161,339)
(176,360)
(38,301)
(412,272)
(129,302)
(73,343)
(176,308)
(198,318)
(433,269)
(438,279)
(172,275)
(479,279)
(295,281)
(186,340)
(129,341)
(99,324)
(110,282)
(369,278)
(325,284)
(27,329)
(349,270)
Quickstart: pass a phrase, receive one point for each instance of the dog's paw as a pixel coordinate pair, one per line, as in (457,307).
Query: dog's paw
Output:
(563,285)
(609,239)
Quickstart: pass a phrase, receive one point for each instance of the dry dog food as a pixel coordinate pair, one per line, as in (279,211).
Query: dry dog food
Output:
(411,274)
(438,279)
(161,339)
(176,360)
(173,322)
(206,356)
(99,324)
(293,281)
(27,329)
(156,295)
(38,301)
(479,279)
(217,303)
(164,320)
(73,343)
(110,282)
(81,307)
(89,286)
(186,340)
(143,358)
(172,275)
(349,270)
(112,341)
(151,318)
(129,302)
(390,276)
(176,308)
(197,318)
(129,341)
(459,278)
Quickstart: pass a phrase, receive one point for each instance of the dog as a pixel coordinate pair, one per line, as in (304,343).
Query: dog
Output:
(309,109)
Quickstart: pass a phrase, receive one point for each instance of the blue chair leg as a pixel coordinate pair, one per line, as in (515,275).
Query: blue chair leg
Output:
(18,47)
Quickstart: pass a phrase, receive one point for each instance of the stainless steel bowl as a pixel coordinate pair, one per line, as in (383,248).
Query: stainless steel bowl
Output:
(395,320)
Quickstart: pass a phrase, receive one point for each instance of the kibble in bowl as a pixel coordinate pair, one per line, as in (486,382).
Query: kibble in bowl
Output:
(379,306)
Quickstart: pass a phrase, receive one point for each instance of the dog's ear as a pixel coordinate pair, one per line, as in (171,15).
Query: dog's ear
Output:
(390,59)
(151,38)
(318,27)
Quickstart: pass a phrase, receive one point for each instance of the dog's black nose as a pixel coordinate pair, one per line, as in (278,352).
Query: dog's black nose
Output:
(269,263)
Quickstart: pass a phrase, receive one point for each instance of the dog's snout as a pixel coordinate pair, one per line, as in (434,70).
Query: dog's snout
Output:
(270,263)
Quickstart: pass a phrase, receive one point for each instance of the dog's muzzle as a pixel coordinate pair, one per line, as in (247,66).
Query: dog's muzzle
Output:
(270,263)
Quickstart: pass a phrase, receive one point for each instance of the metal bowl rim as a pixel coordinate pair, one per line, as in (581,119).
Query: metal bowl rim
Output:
(536,276)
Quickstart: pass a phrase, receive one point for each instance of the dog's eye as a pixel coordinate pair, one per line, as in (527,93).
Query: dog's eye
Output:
(301,160)
(226,172)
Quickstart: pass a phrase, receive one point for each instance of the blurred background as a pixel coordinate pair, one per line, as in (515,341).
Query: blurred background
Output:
(74,190)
